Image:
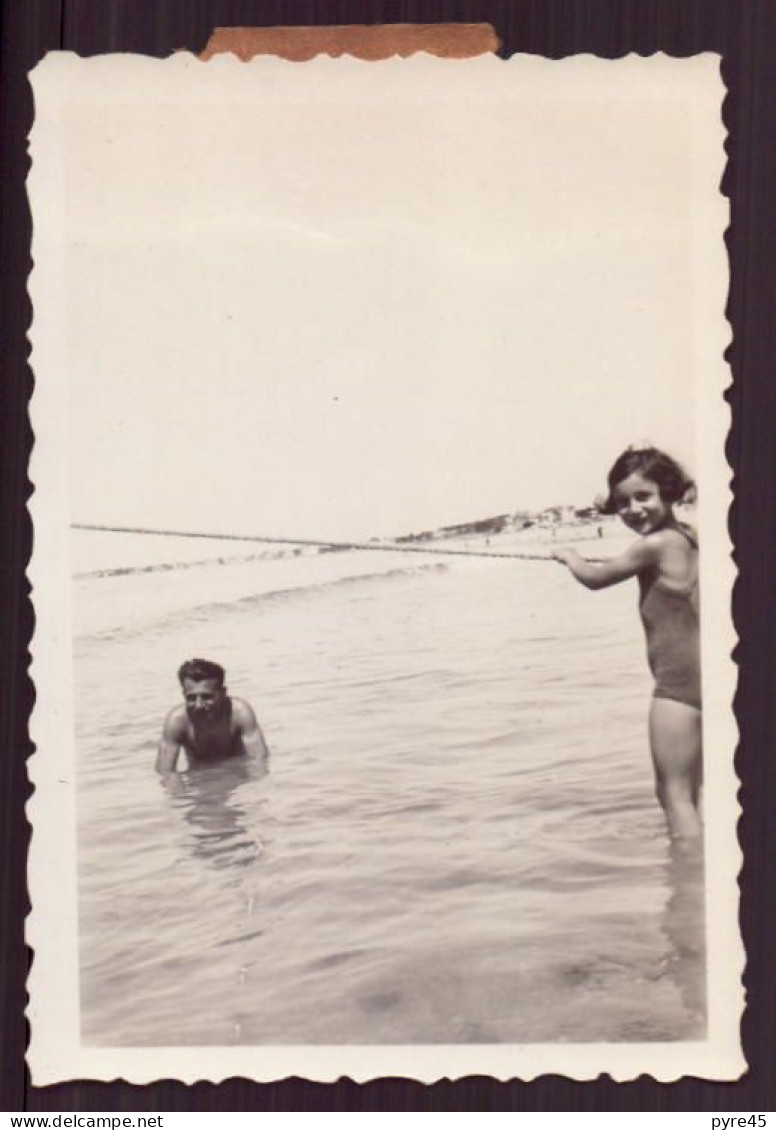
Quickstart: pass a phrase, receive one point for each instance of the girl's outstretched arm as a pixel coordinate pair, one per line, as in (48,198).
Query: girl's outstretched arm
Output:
(642,554)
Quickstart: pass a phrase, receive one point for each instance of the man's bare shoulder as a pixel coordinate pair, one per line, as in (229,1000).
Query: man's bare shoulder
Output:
(242,712)
(175,721)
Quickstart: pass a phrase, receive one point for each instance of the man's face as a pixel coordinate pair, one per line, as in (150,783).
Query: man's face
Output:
(204,697)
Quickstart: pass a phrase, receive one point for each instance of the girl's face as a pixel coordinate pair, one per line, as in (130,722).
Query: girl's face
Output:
(637,501)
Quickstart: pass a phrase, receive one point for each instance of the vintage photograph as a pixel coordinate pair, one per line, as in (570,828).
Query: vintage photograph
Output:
(382,581)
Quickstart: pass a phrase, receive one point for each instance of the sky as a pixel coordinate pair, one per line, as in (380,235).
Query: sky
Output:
(351,308)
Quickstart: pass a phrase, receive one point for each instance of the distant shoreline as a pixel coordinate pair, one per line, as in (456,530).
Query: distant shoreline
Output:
(533,536)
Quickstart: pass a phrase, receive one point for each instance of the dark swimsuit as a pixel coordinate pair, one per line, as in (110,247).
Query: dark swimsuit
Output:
(671,621)
(229,748)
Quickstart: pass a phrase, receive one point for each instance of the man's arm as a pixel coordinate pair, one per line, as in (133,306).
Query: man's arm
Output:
(642,554)
(169,743)
(249,730)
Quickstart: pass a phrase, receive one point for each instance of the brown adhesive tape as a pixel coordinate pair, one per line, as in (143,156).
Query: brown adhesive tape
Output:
(298,44)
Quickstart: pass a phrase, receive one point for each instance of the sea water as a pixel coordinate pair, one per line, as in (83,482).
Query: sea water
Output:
(456,841)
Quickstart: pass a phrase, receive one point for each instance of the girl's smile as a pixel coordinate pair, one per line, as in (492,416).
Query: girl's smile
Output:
(640,506)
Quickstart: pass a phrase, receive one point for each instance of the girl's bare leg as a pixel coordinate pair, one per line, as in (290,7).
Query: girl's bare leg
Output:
(675,741)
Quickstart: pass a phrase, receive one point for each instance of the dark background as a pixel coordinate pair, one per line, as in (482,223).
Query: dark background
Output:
(743,32)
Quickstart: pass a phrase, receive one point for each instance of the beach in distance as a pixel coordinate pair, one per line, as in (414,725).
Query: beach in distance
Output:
(457,839)
(142,578)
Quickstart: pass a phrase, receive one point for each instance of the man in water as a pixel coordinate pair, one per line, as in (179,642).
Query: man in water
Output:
(209,725)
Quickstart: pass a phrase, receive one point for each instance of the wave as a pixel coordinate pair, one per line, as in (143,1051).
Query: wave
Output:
(200,608)
(175,566)
(313,587)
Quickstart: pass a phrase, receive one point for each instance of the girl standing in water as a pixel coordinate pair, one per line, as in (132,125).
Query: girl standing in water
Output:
(644,486)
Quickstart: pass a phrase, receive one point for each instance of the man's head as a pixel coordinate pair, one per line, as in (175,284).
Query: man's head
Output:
(203,687)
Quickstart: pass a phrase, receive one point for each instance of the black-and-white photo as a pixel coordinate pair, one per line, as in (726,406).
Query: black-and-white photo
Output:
(381,570)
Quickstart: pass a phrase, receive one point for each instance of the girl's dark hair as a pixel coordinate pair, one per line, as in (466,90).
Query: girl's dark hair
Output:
(674,483)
